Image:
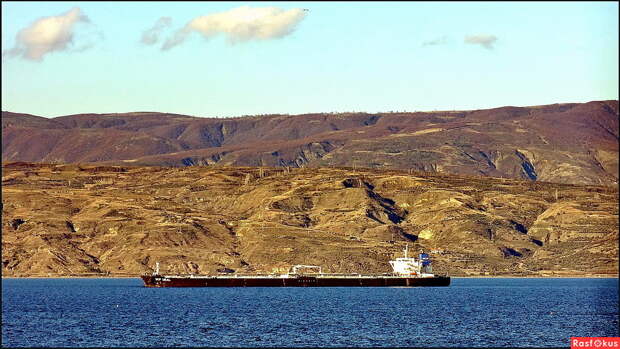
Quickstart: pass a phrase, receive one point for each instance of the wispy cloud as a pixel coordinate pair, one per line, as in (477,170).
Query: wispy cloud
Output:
(438,41)
(241,24)
(151,35)
(47,34)
(486,41)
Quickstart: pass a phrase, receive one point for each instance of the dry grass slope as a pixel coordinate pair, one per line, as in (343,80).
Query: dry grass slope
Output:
(60,220)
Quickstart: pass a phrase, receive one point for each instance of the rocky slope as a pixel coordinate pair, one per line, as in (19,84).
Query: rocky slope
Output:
(94,220)
(573,143)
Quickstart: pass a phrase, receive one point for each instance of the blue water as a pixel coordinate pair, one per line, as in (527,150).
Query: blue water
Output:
(469,313)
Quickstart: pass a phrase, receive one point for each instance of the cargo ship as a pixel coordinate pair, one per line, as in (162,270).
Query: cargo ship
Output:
(407,272)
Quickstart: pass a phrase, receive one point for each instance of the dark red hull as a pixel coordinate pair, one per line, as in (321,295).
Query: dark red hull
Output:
(303,281)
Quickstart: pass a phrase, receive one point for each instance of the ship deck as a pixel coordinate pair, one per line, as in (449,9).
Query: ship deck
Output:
(291,276)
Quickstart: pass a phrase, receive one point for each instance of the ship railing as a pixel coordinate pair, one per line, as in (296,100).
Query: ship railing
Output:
(265,275)
(294,269)
(307,274)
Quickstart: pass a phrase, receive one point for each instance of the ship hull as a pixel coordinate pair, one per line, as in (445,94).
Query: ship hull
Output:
(379,281)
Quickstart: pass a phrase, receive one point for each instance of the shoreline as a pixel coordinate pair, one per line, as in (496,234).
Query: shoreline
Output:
(609,276)
(71,277)
(601,276)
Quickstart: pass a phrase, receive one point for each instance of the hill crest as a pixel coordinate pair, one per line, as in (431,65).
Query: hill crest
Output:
(564,142)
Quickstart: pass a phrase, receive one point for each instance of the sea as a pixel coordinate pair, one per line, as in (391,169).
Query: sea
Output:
(472,312)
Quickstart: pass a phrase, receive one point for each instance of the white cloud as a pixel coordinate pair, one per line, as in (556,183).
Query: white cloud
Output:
(47,34)
(438,41)
(241,24)
(151,35)
(486,41)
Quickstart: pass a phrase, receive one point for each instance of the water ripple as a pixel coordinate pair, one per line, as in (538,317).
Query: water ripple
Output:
(470,313)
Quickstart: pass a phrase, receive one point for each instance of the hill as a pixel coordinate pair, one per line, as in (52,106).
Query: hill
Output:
(575,143)
(60,220)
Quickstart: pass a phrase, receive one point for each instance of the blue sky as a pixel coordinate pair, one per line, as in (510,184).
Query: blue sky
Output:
(347,56)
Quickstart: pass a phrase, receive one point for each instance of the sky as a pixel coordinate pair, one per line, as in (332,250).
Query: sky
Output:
(221,59)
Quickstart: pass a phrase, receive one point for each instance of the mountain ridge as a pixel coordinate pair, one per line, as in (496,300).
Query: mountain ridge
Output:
(563,142)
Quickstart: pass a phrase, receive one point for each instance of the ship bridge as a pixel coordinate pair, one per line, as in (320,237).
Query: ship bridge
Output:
(412,266)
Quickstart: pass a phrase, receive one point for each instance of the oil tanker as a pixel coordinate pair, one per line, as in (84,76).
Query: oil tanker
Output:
(407,272)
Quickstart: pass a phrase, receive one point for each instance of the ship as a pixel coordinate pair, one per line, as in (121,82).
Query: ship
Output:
(407,272)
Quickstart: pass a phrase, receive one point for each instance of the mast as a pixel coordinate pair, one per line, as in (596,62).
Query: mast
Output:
(406,249)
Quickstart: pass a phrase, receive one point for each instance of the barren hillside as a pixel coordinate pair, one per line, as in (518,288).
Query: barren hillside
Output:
(88,220)
(573,143)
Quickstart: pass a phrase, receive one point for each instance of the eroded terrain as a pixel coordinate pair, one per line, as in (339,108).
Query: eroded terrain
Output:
(60,220)
(573,143)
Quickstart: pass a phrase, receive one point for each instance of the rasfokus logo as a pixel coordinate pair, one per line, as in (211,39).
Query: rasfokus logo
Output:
(594,342)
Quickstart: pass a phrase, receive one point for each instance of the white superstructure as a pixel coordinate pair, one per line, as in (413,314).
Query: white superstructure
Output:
(410,266)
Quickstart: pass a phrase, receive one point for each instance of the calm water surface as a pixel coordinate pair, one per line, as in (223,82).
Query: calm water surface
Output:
(471,313)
